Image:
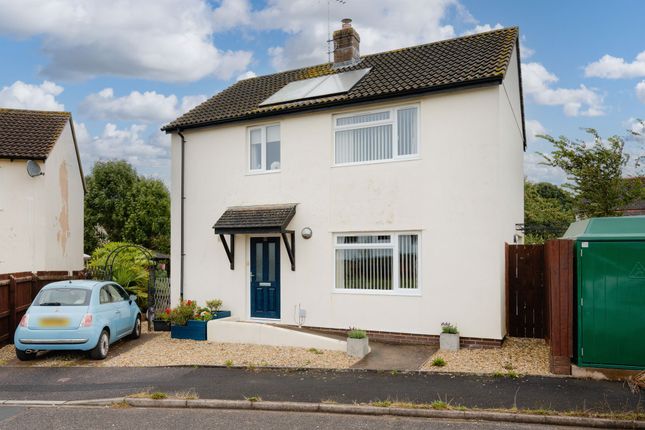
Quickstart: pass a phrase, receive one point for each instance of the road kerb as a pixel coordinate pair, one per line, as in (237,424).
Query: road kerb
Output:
(337,408)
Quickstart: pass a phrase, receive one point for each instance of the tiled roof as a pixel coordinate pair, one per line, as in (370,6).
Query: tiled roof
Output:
(29,134)
(468,60)
(240,219)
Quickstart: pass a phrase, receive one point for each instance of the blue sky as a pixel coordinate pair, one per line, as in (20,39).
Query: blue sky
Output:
(123,68)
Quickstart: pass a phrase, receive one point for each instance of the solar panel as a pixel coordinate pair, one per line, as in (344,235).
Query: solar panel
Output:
(317,87)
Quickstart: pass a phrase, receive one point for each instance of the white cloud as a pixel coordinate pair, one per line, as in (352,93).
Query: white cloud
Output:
(149,153)
(189,102)
(168,40)
(482,28)
(611,67)
(246,75)
(533,128)
(536,171)
(537,82)
(20,95)
(640,91)
(231,14)
(382,24)
(146,106)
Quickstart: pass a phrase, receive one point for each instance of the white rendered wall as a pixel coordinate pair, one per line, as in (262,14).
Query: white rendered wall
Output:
(41,218)
(452,194)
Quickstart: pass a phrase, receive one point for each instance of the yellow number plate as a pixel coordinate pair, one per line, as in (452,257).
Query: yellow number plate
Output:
(54,322)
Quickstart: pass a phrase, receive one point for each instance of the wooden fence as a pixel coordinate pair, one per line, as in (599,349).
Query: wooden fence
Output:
(560,276)
(526,294)
(17,291)
(539,293)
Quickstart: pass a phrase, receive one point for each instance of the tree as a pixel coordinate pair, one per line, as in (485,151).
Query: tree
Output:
(149,220)
(548,211)
(121,206)
(107,202)
(595,171)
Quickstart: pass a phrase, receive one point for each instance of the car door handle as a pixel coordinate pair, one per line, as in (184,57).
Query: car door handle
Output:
(265,284)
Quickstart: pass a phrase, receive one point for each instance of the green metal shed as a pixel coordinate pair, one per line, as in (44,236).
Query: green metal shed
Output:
(610,265)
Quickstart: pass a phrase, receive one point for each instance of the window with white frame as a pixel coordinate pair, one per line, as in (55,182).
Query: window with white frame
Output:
(375,136)
(264,148)
(387,262)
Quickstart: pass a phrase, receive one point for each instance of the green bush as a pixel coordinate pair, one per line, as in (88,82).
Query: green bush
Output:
(214,305)
(183,312)
(355,333)
(130,269)
(449,328)
(439,362)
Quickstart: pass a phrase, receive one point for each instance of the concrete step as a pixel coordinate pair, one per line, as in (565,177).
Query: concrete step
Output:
(232,330)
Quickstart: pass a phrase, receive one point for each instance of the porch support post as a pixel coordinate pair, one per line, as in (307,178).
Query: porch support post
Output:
(230,252)
(291,247)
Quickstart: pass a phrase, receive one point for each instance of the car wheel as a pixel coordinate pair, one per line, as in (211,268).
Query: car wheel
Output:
(136,330)
(25,356)
(100,351)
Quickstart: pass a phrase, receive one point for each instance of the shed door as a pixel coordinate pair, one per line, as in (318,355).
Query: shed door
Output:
(612,307)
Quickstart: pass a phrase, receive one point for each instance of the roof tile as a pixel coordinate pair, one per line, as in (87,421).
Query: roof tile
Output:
(461,61)
(29,134)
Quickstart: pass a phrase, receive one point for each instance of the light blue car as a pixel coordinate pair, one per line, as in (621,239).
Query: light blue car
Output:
(77,315)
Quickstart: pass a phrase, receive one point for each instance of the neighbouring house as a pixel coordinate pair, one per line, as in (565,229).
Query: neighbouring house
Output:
(41,192)
(376,191)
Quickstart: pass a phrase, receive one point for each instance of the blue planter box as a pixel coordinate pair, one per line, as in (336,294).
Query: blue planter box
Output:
(195,329)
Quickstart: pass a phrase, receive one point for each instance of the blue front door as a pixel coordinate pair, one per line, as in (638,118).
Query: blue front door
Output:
(265,277)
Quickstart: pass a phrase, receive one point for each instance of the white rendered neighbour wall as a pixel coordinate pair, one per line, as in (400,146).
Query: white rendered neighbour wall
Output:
(41,218)
(451,194)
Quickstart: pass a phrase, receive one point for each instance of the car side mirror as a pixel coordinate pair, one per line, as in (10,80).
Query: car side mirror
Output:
(133,298)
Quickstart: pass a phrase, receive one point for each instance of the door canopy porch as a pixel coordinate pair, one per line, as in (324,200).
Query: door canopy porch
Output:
(256,220)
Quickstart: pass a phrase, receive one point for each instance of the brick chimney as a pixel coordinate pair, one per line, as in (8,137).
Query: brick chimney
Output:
(346,42)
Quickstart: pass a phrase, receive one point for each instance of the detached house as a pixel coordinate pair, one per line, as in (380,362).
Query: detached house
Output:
(41,192)
(376,191)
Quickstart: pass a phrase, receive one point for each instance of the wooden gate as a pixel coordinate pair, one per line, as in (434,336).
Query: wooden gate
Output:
(526,294)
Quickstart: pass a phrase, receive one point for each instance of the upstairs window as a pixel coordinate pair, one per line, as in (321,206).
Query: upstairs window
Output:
(376,136)
(264,148)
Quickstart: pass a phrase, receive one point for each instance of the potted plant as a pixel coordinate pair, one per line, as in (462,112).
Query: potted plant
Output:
(449,338)
(214,307)
(357,343)
(161,322)
(188,322)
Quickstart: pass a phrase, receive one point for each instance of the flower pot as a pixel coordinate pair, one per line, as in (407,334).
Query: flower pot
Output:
(449,341)
(194,329)
(161,325)
(221,314)
(358,347)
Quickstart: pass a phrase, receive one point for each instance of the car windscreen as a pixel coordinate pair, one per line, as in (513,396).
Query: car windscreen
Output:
(64,296)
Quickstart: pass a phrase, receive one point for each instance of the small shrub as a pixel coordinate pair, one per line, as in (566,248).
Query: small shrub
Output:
(382,403)
(203,314)
(355,333)
(158,396)
(498,375)
(163,315)
(228,363)
(184,311)
(253,399)
(439,404)
(446,327)
(315,351)
(214,305)
(512,374)
(439,362)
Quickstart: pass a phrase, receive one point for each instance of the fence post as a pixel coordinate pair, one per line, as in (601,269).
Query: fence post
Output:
(12,307)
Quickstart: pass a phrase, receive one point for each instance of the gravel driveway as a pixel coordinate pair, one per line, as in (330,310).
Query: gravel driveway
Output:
(516,356)
(158,349)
